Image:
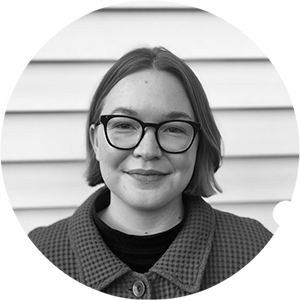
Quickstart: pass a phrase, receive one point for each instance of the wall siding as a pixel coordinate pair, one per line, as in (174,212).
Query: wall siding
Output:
(69,86)
(108,34)
(43,138)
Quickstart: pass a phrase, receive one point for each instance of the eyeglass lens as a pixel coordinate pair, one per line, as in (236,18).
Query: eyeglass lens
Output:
(126,133)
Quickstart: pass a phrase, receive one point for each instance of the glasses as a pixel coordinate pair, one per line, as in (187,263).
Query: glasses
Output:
(125,133)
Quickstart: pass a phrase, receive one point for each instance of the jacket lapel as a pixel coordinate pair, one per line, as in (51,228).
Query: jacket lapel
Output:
(185,260)
(97,265)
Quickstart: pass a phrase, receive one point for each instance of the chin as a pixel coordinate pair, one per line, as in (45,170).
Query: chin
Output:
(147,200)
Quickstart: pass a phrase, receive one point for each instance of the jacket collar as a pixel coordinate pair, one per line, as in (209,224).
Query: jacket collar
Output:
(185,260)
(183,263)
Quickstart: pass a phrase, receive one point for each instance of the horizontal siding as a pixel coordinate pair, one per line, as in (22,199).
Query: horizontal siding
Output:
(57,86)
(109,34)
(117,4)
(70,86)
(43,137)
(258,132)
(62,184)
(256,179)
(56,185)
(61,136)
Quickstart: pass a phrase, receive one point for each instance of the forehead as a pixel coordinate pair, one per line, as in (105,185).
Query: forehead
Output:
(148,92)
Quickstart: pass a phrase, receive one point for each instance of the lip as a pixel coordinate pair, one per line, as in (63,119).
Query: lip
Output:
(146,176)
(146,172)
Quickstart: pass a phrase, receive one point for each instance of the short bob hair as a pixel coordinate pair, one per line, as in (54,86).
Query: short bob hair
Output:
(209,156)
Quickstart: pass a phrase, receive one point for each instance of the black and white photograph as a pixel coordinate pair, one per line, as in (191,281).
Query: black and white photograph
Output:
(149,149)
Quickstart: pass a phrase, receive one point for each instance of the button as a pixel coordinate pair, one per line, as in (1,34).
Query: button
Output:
(138,289)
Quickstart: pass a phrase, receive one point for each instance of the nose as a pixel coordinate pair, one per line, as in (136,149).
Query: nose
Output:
(148,147)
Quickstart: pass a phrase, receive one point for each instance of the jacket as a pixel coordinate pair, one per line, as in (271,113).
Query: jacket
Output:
(211,246)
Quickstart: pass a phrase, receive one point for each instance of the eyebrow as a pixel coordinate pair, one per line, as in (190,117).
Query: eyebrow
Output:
(125,111)
(169,115)
(177,115)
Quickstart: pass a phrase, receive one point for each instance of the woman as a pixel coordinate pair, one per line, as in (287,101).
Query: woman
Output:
(147,233)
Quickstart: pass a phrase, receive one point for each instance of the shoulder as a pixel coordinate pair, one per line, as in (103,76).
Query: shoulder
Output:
(47,234)
(245,247)
(42,237)
(246,252)
(240,231)
(58,234)
(45,252)
(47,259)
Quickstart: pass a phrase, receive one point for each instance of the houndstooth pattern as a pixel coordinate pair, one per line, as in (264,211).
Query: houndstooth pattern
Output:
(211,247)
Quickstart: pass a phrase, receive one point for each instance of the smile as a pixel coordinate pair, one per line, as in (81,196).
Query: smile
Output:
(146,175)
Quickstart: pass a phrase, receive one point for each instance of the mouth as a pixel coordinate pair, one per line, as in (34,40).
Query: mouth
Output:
(146,172)
(146,175)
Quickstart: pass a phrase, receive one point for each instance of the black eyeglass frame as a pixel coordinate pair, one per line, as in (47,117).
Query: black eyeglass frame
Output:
(105,118)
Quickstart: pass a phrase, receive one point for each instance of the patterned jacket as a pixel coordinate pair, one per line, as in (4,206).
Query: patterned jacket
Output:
(211,246)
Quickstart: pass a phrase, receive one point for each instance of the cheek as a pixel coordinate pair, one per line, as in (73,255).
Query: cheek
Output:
(104,149)
(110,159)
(189,166)
(185,164)
(190,162)
(192,156)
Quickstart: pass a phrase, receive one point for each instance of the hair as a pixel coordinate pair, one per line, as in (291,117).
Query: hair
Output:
(208,159)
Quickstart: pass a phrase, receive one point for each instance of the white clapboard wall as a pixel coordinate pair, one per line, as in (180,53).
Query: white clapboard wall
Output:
(43,138)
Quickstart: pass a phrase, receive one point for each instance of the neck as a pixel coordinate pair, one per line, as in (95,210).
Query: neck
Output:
(122,217)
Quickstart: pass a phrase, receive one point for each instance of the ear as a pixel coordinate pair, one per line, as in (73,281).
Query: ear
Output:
(94,139)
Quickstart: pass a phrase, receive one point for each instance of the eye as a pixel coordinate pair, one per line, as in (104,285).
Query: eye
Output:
(178,129)
(174,130)
(122,124)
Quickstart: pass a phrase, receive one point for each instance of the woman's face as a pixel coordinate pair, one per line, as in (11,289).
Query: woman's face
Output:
(151,96)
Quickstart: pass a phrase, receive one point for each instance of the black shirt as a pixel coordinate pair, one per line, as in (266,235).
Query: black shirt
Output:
(140,253)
